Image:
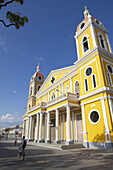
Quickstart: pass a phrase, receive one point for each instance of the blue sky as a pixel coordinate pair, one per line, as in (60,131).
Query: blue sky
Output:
(47,38)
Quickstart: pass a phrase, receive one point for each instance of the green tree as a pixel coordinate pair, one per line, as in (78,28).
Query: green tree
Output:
(15,19)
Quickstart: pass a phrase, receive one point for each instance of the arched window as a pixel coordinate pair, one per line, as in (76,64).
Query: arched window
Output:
(85,44)
(31,91)
(77,89)
(38,87)
(39,77)
(86,84)
(52,96)
(102,41)
(94,81)
(67,89)
(109,79)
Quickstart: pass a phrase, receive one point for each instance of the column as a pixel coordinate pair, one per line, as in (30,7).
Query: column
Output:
(78,54)
(60,128)
(59,90)
(48,96)
(56,92)
(28,121)
(73,124)
(71,84)
(30,128)
(23,131)
(63,127)
(57,126)
(45,126)
(94,36)
(107,131)
(84,125)
(48,128)
(110,49)
(62,88)
(68,125)
(40,129)
(111,107)
(37,128)
(33,87)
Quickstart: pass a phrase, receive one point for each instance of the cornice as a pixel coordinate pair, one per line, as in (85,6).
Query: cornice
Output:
(93,93)
(56,83)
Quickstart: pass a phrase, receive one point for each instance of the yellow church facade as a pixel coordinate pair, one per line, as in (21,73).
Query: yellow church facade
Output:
(75,103)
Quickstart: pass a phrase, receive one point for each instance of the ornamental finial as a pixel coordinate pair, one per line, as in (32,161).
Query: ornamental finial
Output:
(86,12)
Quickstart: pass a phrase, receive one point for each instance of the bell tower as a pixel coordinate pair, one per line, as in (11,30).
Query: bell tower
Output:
(91,34)
(35,84)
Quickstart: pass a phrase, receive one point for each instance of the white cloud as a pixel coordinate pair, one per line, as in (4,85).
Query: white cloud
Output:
(15,92)
(3,45)
(10,120)
(38,59)
(25,45)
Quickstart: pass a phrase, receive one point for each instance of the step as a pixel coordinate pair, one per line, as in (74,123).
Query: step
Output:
(72,146)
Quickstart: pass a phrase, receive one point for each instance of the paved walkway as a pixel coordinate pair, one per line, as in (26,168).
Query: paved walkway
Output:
(38,157)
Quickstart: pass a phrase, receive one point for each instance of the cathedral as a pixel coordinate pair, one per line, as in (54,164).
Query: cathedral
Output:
(75,104)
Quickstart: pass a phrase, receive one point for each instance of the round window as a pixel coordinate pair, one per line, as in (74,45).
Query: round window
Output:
(88,71)
(109,68)
(94,117)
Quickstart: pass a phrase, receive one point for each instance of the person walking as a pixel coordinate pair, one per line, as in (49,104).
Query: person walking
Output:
(15,140)
(23,145)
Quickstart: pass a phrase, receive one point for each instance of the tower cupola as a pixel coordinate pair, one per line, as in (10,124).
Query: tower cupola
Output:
(90,35)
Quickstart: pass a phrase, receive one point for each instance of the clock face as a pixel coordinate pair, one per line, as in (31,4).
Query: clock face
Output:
(109,68)
(88,71)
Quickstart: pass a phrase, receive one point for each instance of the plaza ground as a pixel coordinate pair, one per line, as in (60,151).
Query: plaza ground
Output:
(39,157)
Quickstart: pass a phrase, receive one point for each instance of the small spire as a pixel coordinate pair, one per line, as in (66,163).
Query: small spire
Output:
(38,68)
(86,12)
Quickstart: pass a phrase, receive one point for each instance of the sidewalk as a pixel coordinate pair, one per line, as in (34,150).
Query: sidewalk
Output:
(46,145)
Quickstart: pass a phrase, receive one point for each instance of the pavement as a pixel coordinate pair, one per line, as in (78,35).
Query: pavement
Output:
(40,157)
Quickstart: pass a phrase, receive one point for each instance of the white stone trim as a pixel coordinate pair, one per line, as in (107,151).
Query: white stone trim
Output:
(57,124)
(93,81)
(63,126)
(76,138)
(78,54)
(92,93)
(60,129)
(56,92)
(48,127)
(68,123)
(93,35)
(45,129)
(33,87)
(73,125)
(87,36)
(84,123)
(37,127)
(59,90)
(71,85)
(104,40)
(109,45)
(107,131)
(40,126)
(111,107)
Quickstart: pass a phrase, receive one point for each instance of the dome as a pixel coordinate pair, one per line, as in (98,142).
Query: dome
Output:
(39,74)
(87,17)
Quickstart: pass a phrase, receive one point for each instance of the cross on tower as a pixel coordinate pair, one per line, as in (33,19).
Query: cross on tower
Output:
(52,80)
